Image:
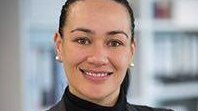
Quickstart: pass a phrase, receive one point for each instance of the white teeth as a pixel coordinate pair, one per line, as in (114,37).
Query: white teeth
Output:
(96,74)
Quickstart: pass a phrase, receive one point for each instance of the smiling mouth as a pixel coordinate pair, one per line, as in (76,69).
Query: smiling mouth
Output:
(99,74)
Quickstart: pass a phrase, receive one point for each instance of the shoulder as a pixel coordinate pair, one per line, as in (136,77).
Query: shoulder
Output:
(132,107)
(60,106)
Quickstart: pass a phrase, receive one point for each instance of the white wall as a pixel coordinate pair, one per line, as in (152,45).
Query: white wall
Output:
(10,81)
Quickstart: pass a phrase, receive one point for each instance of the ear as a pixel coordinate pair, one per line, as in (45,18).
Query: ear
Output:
(133,49)
(58,41)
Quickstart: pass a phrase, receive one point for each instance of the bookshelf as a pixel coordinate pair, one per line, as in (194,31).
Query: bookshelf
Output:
(44,81)
(167,56)
(165,72)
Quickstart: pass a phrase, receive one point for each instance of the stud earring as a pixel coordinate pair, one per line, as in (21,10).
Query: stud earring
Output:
(58,59)
(132,65)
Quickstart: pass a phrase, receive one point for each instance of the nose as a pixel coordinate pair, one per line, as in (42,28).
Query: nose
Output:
(98,56)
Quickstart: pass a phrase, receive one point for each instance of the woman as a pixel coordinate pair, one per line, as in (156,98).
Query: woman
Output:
(95,42)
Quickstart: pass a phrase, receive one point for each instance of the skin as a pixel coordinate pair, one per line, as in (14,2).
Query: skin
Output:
(97,38)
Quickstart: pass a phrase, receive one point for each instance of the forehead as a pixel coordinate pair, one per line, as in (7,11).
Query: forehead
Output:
(98,7)
(103,13)
(99,3)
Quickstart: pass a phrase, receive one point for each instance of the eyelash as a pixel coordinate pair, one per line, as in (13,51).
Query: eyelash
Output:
(115,43)
(83,41)
(111,43)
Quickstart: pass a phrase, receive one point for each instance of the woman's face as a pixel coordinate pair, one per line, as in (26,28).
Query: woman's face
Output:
(96,49)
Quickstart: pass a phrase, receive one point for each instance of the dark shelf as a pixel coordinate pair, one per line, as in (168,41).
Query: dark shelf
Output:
(177,78)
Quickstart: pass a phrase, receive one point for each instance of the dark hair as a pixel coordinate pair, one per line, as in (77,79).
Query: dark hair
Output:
(68,3)
(63,19)
(126,82)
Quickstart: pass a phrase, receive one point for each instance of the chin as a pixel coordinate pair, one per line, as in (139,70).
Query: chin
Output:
(97,92)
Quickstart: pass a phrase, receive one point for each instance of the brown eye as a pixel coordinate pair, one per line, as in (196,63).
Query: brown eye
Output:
(83,41)
(115,43)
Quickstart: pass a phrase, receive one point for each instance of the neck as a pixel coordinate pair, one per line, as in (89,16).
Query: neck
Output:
(107,101)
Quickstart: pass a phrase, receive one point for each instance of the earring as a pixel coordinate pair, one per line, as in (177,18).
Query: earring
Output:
(58,59)
(132,65)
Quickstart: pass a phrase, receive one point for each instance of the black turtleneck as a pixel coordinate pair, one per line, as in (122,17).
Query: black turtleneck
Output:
(74,103)
(70,102)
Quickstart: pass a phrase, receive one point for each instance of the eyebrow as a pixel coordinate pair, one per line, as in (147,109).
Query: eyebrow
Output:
(92,32)
(83,30)
(117,32)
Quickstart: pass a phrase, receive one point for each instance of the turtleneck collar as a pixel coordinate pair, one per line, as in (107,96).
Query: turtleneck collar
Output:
(74,103)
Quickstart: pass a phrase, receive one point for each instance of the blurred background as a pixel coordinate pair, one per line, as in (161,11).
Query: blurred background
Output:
(166,62)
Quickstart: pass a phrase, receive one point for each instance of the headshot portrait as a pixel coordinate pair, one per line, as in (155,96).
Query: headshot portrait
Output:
(95,42)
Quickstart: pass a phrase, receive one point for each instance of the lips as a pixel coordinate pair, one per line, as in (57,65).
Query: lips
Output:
(96,74)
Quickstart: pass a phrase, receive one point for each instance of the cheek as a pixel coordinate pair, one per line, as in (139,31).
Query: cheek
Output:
(121,60)
(72,57)
(121,64)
